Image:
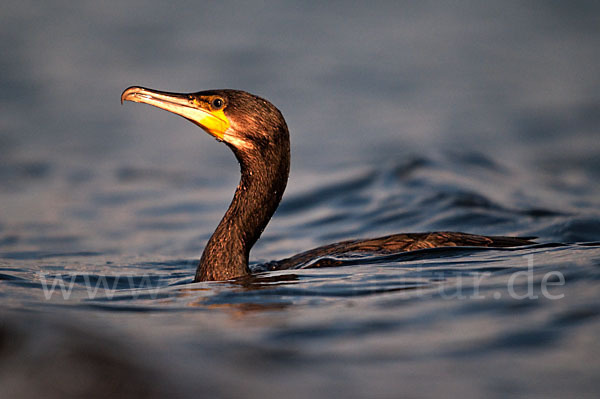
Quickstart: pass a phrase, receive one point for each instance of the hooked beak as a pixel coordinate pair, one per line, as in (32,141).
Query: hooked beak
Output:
(214,123)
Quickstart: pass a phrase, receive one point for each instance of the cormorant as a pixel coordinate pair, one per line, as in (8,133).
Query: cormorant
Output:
(257,133)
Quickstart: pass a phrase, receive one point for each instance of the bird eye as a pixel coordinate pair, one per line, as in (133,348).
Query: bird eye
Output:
(217,103)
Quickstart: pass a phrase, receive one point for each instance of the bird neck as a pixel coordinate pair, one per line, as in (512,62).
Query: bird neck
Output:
(255,200)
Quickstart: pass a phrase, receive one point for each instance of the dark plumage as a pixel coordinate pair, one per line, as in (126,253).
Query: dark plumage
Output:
(265,165)
(257,134)
(397,243)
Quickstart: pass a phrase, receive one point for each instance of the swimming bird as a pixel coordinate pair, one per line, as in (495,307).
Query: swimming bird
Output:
(256,132)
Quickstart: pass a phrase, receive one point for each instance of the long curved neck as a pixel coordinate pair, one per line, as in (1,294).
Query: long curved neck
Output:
(255,200)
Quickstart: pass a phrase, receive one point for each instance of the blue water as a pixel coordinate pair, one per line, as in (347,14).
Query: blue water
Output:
(404,117)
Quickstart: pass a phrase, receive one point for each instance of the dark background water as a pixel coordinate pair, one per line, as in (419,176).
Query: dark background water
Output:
(404,116)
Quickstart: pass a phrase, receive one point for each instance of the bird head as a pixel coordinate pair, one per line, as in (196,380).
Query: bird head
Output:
(245,122)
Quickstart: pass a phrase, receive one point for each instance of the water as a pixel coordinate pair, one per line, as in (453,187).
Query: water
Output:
(404,117)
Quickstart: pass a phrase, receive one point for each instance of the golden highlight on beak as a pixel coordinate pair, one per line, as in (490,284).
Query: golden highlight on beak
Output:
(214,123)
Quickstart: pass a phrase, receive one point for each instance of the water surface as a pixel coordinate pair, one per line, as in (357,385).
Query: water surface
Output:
(404,117)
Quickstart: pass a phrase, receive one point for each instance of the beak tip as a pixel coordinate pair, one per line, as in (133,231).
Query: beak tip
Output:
(129,93)
(124,96)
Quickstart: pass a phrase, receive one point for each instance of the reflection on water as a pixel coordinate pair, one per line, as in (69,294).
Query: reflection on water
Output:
(403,117)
